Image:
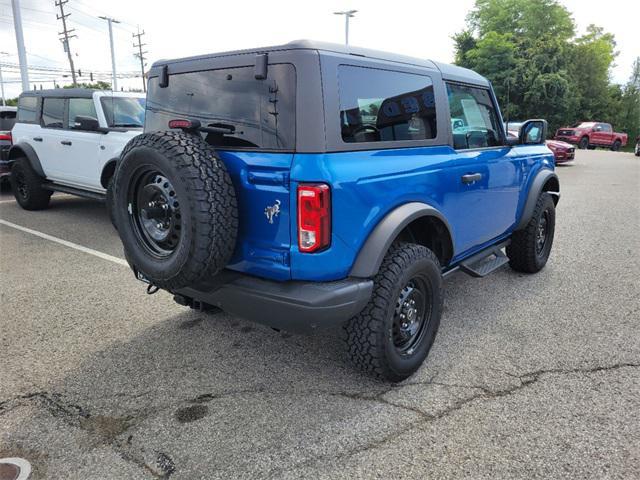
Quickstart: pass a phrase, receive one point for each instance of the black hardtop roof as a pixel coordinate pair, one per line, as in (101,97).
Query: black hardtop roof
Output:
(447,70)
(61,93)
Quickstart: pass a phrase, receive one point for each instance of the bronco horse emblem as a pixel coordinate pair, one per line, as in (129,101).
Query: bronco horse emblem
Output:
(272,211)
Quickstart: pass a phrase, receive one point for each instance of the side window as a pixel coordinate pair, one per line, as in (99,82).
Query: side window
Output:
(53,112)
(27,109)
(606,127)
(474,122)
(385,106)
(80,107)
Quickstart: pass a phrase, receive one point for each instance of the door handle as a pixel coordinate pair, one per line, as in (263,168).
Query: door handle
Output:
(65,142)
(471,177)
(37,139)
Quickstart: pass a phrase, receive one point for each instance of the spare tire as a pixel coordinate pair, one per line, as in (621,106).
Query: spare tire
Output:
(175,208)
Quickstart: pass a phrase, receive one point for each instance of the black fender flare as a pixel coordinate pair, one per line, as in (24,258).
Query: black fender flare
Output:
(543,178)
(377,244)
(25,150)
(108,171)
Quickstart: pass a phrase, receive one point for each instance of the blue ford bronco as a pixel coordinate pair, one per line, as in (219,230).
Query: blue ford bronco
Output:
(314,185)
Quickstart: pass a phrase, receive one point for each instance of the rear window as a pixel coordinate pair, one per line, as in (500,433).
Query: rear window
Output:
(380,105)
(27,109)
(259,113)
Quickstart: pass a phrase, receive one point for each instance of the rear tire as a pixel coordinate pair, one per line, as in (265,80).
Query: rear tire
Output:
(27,186)
(583,143)
(530,247)
(393,334)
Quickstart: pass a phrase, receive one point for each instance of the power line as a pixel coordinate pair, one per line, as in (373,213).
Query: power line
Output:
(65,33)
(140,55)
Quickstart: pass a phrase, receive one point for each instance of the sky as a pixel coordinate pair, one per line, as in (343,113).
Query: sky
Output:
(420,28)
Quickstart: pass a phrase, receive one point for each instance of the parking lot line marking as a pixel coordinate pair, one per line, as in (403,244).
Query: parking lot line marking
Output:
(66,243)
(8,201)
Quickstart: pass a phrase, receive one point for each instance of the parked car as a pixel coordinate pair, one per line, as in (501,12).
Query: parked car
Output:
(260,187)
(69,140)
(637,149)
(562,151)
(591,135)
(7,119)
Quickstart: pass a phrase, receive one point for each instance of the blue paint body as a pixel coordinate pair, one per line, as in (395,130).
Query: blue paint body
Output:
(366,186)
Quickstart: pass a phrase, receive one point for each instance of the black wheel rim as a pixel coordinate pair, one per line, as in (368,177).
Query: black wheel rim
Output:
(411,316)
(154,210)
(542,232)
(21,185)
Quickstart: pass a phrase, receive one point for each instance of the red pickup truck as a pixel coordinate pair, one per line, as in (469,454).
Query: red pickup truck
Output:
(591,135)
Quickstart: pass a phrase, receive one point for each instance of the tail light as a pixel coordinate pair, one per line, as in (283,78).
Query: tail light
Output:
(314,217)
(6,136)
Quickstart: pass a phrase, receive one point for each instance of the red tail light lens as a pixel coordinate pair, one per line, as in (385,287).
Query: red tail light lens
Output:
(314,217)
(6,136)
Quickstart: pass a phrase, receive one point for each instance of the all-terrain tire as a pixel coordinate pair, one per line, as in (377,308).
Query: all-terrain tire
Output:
(616,146)
(583,143)
(524,252)
(369,335)
(208,210)
(27,186)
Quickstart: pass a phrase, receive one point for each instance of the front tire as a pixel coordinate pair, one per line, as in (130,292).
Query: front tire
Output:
(393,334)
(583,143)
(616,146)
(27,186)
(530,247)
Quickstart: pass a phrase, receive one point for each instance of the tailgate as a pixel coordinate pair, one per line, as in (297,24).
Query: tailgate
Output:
(261,181)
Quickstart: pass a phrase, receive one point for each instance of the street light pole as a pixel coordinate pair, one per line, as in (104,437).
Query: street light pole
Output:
(113,55)
(22,55)
(347,15)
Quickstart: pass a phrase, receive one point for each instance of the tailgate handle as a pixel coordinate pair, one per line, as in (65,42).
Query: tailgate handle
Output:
(65,142)
(264,178)
(37,139)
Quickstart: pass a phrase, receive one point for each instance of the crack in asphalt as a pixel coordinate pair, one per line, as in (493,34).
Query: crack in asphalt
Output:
(109,430)
(526,380)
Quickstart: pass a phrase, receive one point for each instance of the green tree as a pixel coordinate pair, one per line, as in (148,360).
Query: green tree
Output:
(99,85)
(528,50)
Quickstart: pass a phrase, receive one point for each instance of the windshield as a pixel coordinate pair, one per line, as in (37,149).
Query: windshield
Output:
(583,125)
(124,111)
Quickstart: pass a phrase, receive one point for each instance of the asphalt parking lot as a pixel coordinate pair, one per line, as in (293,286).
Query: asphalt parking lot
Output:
(529,377)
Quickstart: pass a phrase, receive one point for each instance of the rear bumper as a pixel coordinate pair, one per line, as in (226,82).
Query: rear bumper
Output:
(294,306)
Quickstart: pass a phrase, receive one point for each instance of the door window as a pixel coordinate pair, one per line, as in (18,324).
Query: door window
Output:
(384,106)
(474,122)
(53,112)
(80,107)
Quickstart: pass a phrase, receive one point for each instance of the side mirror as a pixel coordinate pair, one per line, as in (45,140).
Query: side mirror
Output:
(86,123)
(533,132)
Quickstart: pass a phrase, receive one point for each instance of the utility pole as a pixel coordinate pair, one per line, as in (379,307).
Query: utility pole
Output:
(22,54)
(347,15)
(65,37)
(4,103)
(140,55)
(111,21)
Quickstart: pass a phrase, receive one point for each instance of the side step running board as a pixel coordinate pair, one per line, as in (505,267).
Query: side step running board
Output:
(485,262)
(74,191)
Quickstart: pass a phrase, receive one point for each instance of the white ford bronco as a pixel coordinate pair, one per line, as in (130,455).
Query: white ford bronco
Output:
(69,140)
